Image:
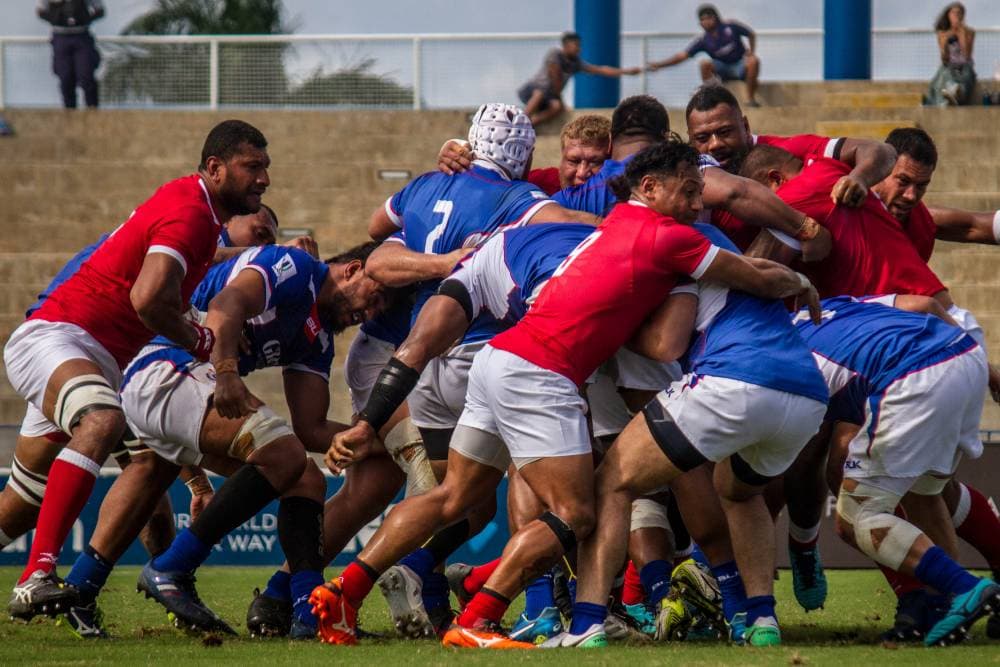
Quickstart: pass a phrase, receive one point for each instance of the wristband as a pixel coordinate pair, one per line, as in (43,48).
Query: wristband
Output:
(204,342)
(199,485)
(393,385)
(808,230)
(996,226)
(226,366)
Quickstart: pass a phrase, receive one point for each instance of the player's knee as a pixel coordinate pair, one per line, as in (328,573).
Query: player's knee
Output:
(259,430)
(647,513)
(881,535)
(27,484)
(89,402)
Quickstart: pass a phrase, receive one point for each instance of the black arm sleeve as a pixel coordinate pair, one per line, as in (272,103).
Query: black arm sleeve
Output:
(393,385)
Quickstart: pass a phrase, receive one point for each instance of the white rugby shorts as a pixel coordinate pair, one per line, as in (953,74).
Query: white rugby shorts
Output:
(36,349)
(721,417)
(923,422)
(536,412)
(366,358)
(165,408)
(627,370)
(439,397)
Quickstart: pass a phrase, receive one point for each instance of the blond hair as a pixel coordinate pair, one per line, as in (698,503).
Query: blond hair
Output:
(589,129)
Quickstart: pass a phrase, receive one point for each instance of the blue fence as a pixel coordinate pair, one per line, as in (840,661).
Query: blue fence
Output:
(253,543)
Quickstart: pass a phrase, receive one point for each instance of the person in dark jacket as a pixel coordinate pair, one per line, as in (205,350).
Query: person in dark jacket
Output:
(74,54)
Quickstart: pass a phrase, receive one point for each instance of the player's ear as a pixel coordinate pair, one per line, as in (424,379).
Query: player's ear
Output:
(216,169)
(353,268)
(775,178)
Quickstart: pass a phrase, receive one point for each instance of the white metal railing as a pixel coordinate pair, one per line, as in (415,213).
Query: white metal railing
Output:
(416,71)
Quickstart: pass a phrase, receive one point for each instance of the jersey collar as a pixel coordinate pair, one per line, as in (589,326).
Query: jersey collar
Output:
(208,200)
(486,164)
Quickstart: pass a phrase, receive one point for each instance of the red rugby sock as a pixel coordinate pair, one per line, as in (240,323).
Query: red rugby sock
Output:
(486,605)
(632,590)
(479,575)
(981,527)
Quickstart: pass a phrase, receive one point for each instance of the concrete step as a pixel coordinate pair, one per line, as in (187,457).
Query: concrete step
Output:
(970,201)
(861,129)
(31,266)
(872,99)
(965,177)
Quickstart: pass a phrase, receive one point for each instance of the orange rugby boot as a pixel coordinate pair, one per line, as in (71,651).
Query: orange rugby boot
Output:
(485,634)
(338,619)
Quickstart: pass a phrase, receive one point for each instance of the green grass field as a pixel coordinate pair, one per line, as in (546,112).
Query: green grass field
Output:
(845,634)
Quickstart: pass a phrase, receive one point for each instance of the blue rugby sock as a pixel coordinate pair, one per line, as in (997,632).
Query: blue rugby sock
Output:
(655,578)
(185,553)
(731,586)
(538,595)
(421,561)
(699,556)
(435,591)
(759,606)
(937,569)
(302,585)
(89,574)
(279,586)
(586,614)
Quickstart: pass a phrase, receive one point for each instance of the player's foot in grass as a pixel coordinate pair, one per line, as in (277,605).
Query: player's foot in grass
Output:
(485,634)
(808,578)
(737,628)
(301,631)
(268,616)
(703,629)
(764,632)
(642,617)
(456,574)
(338,619)
(909,624)
(402,589)
(175,591)
(673,619)
(85,621)
(41,593)
(593,637)
(537,630)
(695,585)
(965,610)
(442,618)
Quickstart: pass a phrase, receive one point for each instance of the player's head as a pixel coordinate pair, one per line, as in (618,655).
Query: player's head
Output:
(666,178)
(260,228)
(571,43)
(234,162)
(770,165)
(951,15)
(640,117)
(586,143)
(716,126)
(916,158)
(502,134)
(351,296)
(708,17)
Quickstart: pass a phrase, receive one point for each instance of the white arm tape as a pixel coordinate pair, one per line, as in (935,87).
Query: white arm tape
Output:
(996,226)
(690,288)
(786,239)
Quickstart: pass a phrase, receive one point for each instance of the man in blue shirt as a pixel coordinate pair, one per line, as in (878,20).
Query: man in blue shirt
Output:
(729,59)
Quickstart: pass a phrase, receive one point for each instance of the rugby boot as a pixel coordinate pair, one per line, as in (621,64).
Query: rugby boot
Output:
(808,578)
(910,624)
(442,618)
(674,618)
(268,616)
(764,632)
(537,630)
(176,592)
(695,584)
(642,617)
(456,574)
(593,637)
(485,634)
(402,590)
(41,593)
(738,628)
(965,610)
(85,621)
(338,619)
(301,631)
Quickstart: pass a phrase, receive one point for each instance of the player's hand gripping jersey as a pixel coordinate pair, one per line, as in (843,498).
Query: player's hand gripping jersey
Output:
(177,220)
(289,333)
(604,290)
(438,214)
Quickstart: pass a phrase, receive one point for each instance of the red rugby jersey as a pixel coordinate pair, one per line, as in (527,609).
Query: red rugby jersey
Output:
(605,289)
(177,220)
(545,179)
(871,254)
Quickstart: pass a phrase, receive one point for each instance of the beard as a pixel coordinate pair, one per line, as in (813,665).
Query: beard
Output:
(238,201)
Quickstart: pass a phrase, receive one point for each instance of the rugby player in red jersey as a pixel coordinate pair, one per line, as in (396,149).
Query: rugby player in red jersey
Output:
(66,359)
(524,404)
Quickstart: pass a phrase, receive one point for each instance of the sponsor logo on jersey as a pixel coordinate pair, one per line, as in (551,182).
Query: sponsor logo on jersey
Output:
(312,326)
(283,269)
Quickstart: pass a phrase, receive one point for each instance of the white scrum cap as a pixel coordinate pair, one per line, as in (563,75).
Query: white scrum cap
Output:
(503,135)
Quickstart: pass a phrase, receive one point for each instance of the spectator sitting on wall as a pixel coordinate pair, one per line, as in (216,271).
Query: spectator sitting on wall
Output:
(955,78)
(542,95)
(74,54)
(729,60)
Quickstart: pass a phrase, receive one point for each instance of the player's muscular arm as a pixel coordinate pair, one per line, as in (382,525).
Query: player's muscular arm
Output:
(242,299)
(380,226)
(954,224)
(767,246)
(756,204)
(666,333)
(555,213)
(395,265)
(916,303)
(762,278)
(872,162)
(308,398)
(156,297)
(675,59)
